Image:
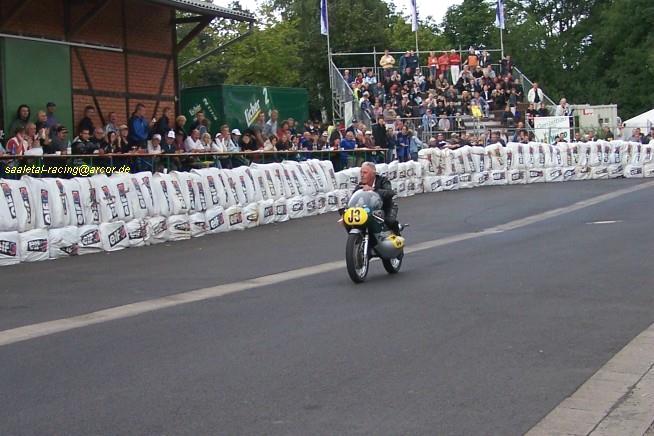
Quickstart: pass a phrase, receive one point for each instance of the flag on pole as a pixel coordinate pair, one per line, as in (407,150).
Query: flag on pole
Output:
(499,14)
(414,16)
(324,21)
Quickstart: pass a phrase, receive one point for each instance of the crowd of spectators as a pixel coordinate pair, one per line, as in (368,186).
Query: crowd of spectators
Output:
(441,94)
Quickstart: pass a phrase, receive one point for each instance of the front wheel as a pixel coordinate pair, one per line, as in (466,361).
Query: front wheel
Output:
(392,266)
(356,258)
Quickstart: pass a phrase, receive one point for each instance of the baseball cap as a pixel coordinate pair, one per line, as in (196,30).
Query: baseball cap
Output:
(156,136)
(171,134)
(123,126)
(368,132)
(236,132)
(50,104)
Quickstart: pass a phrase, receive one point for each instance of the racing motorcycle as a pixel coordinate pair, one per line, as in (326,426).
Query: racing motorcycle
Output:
(369,237)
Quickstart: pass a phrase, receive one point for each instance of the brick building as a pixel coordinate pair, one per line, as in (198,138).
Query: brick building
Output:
(110,54)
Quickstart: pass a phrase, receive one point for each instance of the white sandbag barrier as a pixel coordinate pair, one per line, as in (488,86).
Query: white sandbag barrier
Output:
(54,218)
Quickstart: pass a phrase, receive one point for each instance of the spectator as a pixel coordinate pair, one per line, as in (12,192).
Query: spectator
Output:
(415,145)
(180,122)
(637,136)
(208,145)
(542,111)
(577,137)
(98,140)
(51,119)
(247,143)
(270,144)
(168,146)
(192,143)
(82,144)
(508,118)
(563,109)
(113,143)
(41,120)
(432,63)
(347,76)
(162,126)
(535,94)
(271,126)
(485,59)
(86,123)
(649,137)
(154,147)
(17,145)
(441,142)
(444,123)
(60,142)
(387,62)
(348,143)
(112,125)
(506,65)
(199,123)
(22,118)
(123,133)
(139,128)
(473,58)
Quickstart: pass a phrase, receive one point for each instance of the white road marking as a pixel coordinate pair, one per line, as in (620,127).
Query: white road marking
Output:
(38,330)
(605,222)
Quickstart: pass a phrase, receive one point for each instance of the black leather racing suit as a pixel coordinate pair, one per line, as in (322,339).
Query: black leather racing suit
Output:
(385,190)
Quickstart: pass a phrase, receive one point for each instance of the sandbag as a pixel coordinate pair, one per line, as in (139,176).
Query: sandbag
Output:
(480,179)
(200,190)
(432,184)
(281,210)
(553,174)
(536,175)
(89,239)
(399,186)
(179,196)
(234,216)
(216,221)
(332,202)
(114,236)
(34,246)
(198,224)
(20,204)
(450,183)
(465,181)
(496,178)
(178,227)
(392,170)
(8,214)
(123,185)
(48,204)
(569,173)
(107,198)
(310,205)
(63,242)
(480,159)
(330,175)
(321,203)
(516,177)
(142,194)
(157,230)
(89,199)
(266,210)
(9,248)
(343,197)
(316,171)
(497,156)
(137,232)
(296,207)
(187,190)
(251,215)
(516,156)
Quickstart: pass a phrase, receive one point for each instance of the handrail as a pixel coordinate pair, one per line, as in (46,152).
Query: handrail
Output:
(526,79)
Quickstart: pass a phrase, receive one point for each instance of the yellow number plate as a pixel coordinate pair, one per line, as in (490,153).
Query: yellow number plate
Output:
(355,216)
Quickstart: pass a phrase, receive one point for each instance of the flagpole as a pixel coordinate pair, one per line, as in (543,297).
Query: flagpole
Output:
(324,25)
(502,42)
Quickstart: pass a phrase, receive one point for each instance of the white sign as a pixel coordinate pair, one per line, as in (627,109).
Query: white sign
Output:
(548,128)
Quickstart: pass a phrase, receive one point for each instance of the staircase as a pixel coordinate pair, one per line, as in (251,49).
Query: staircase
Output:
(345,106)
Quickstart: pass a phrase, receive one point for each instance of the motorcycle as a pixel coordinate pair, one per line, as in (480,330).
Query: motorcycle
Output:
(369,237)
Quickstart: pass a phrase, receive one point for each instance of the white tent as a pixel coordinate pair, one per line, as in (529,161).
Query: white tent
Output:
(645,121)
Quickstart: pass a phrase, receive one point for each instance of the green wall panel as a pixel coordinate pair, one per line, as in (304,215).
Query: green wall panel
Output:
(35,73)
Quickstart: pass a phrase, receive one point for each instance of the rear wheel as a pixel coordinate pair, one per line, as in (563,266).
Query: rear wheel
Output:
(392,266)
(355,258)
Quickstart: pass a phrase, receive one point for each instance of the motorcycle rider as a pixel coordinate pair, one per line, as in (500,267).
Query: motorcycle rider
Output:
(371,181)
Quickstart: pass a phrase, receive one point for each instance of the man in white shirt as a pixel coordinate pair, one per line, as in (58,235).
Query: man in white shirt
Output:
(193,143)
(154,147)
(535,94)
(563,109)
(271,126)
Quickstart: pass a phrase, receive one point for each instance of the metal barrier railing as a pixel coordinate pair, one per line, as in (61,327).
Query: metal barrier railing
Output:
(66,166)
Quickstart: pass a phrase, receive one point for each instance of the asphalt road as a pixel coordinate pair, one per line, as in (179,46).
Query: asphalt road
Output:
(483,336)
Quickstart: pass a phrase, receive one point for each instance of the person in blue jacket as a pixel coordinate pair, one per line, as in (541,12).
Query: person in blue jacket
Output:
(348,143)
(139,128)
